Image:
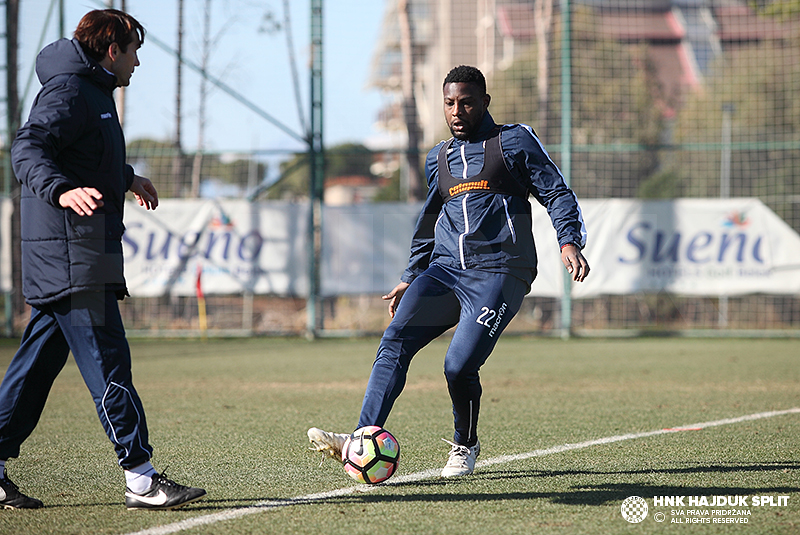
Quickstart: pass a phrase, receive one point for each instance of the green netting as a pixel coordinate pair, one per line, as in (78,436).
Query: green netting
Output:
(666,99)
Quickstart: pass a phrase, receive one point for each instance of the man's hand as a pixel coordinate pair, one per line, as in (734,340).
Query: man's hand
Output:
(84,201)
(576,264)
(145,192)
(394,297)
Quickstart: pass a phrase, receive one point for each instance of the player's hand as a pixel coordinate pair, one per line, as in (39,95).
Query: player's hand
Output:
(576,264)
(394,297)
(145,192)
(84,201)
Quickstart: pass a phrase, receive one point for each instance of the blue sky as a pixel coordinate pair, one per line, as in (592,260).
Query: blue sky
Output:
(254,63)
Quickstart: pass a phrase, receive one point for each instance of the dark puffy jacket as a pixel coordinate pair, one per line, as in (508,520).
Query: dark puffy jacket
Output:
(71,139)
(492,231)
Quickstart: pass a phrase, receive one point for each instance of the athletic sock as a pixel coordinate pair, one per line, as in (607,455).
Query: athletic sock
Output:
(140,477)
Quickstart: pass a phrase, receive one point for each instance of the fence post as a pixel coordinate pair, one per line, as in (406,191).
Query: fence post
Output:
(317,173)
(566,146)
(725,189)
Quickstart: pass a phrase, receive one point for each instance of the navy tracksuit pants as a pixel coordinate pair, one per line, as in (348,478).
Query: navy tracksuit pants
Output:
(89,324)
(481,303)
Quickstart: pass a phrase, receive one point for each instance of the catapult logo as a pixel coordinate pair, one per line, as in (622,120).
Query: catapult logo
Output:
(634,509)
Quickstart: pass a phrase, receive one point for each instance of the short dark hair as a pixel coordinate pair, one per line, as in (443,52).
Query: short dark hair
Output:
(464,74)
(98,29)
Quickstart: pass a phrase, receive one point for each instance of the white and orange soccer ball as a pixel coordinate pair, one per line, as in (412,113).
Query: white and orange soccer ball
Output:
(371,455)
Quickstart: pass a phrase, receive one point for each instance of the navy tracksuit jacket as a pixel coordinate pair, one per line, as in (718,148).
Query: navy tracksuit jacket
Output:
(472,261)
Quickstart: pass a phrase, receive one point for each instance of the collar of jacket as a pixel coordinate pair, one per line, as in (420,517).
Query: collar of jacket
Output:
(104,78)
(483,132)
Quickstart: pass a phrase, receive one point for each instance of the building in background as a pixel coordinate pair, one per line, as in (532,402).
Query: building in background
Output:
(684,40)
(353,189)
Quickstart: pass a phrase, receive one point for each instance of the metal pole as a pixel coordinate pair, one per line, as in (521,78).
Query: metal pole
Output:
(566,147)
(12,123)
(62,32)
(317,173)
(725,163)
(725,189)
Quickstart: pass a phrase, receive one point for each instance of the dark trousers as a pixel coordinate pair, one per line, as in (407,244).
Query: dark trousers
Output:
(89,324)
(481,303)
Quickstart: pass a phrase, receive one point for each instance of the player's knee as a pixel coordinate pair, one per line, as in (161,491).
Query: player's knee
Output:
(456,372)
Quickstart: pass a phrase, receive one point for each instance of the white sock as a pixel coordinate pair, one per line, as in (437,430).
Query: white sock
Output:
(140,477)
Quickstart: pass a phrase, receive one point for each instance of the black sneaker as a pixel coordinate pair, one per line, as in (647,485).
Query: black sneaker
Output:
(163,494)
(12,498)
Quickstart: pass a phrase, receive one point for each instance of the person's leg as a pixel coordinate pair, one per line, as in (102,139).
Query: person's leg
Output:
(488,303)
(41,356)
(92,325)
(428,309)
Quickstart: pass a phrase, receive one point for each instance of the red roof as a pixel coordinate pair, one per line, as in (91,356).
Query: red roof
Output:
(516,21)
(735,23)
(741,24)
(641,26)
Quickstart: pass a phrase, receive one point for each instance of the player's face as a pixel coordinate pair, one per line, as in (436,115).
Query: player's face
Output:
(464,106)
(125,62)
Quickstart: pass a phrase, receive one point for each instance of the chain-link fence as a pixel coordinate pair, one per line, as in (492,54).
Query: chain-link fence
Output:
(663,99)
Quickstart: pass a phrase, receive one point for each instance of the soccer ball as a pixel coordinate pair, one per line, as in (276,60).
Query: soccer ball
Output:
(371,454)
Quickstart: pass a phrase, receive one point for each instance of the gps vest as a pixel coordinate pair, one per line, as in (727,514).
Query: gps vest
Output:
(494,177)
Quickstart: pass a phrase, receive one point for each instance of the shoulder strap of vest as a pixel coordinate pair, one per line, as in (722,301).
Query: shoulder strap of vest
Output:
(441,158)
(494,177)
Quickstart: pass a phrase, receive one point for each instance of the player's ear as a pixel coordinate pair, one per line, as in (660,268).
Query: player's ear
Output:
(487,98)
(113,51)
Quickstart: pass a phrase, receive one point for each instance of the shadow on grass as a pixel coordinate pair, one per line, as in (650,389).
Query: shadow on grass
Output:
(204,504)
(582,493)
(464,489)
(698,469)
(209,505)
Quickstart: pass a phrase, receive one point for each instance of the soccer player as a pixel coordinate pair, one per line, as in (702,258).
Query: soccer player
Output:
(70,159)
(472,260)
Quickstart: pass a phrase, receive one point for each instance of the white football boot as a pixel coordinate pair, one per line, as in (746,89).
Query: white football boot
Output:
(330,444)
(462,459)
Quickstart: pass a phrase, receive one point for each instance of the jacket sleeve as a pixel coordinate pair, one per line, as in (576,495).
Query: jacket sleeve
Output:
(544,180)
(423,241)
(128,177)
(57,119)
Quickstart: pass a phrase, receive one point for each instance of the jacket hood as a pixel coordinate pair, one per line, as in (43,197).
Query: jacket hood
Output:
(66,56)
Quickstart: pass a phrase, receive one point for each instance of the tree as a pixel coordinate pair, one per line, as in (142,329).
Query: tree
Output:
(414,132)
(543,17)
(156,159)
(761,83)
(616,100)
(346,159)
(780,9)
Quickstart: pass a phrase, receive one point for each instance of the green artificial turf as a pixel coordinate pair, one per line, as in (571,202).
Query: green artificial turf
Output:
(231,416)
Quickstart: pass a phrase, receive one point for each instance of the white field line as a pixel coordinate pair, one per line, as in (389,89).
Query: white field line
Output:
(430,474)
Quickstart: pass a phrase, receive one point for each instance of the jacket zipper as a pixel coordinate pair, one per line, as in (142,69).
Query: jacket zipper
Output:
(464,234)
(510,223)
(463,163)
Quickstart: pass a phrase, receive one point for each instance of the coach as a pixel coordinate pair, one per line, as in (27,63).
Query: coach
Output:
(70,159)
